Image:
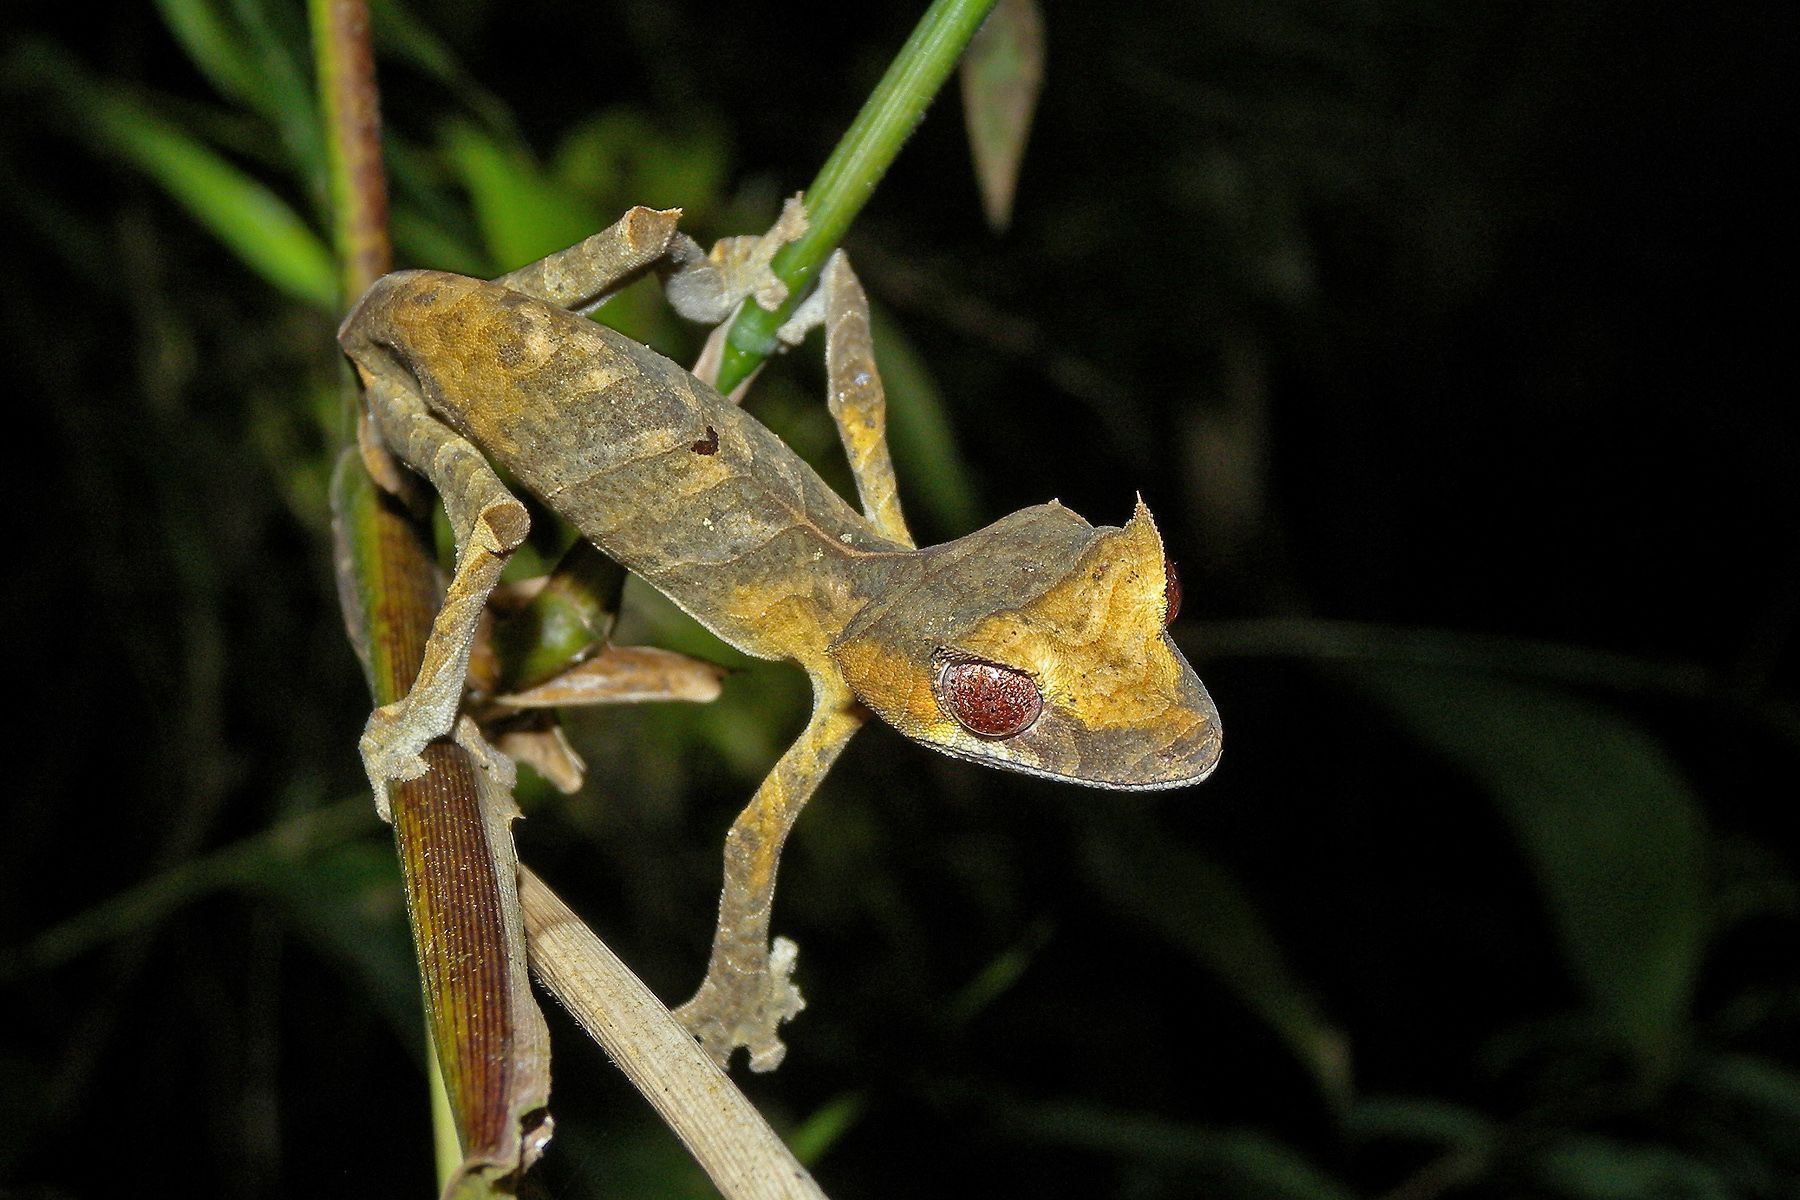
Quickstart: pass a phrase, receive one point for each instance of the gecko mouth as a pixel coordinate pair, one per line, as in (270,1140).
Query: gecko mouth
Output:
(1185,762)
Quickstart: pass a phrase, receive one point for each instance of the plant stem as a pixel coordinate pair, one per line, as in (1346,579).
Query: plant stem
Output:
(849,176)
(383,554)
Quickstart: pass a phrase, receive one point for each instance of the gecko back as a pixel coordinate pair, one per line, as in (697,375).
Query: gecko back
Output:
(678,484)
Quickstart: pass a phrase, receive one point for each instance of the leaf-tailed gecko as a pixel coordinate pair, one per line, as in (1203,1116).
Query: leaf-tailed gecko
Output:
(1037,644)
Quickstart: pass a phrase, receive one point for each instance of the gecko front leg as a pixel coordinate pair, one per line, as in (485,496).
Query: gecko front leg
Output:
(857,401)
(747,993)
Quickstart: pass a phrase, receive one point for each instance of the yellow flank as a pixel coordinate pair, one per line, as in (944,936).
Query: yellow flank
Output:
(789,617)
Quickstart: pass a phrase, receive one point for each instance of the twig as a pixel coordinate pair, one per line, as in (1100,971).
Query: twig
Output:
(720,1128)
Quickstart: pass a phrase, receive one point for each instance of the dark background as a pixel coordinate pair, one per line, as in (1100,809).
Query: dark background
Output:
(1443,341)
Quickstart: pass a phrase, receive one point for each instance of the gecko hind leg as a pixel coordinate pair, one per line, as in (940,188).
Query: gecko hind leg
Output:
(489,523)
(586,275)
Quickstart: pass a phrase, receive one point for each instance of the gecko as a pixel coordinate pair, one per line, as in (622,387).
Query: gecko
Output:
(1038,644)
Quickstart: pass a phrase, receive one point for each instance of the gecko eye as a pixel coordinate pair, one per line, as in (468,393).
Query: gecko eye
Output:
(987,699)
(1171,592)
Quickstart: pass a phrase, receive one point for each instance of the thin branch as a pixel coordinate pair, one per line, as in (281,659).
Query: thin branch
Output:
(720,1128)
(849,176)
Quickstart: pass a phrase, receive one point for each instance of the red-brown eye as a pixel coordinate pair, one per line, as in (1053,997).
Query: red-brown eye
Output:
(1171,592)
(988,699)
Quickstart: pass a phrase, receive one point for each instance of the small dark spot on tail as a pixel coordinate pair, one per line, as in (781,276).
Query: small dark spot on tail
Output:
(708,444)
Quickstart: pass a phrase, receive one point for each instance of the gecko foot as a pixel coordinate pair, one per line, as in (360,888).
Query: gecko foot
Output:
(743,1004)
(390,748)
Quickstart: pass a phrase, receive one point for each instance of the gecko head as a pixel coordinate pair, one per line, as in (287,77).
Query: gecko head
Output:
(1039,644)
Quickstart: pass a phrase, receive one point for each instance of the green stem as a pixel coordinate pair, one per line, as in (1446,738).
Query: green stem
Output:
(849,176)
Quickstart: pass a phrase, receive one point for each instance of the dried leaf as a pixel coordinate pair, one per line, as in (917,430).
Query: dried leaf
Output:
(1002,73)
(461,875)
(624,675)
(719,1126)
(543,748)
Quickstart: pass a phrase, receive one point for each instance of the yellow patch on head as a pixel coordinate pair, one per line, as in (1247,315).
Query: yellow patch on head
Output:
(1095,640)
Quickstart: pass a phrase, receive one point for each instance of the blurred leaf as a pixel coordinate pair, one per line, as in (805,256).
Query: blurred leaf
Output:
(349,902)
(1752,880)
(253,221)
(1757,1100)
(1432,1122)
(216,48)
(1595,1168)
(998,977)
(1002,73)
(523,213)
(422,180)
(1611,830)
(1196,904)
(639,1161)
(139,908)
(398,31)
(1217,1163)
(256,224)
(419,240)
(932,470)
(621,158)
(279,39)
(820,1132)
(256,58)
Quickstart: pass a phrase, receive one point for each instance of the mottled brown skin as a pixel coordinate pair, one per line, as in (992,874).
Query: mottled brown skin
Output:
(1039,620)
(613,436)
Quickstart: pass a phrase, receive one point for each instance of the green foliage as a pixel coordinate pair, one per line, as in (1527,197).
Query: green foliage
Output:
(1612,831)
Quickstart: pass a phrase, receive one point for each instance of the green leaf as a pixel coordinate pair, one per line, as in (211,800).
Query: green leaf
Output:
(1611,830)
(217,49)
(398,31)
(1431,1122)
(349,901)
(621,158)
(1596,1168)
(1228,1162)
(144,906)
(523,213)
(1196,904)
(251,220)
(830,1121)
(256,224)
(278,35)
(256,56)
(1002,74)
(1757,1100)
(420,240)
(1001,974)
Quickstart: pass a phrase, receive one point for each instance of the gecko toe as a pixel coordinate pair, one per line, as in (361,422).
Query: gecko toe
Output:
(746,1009)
